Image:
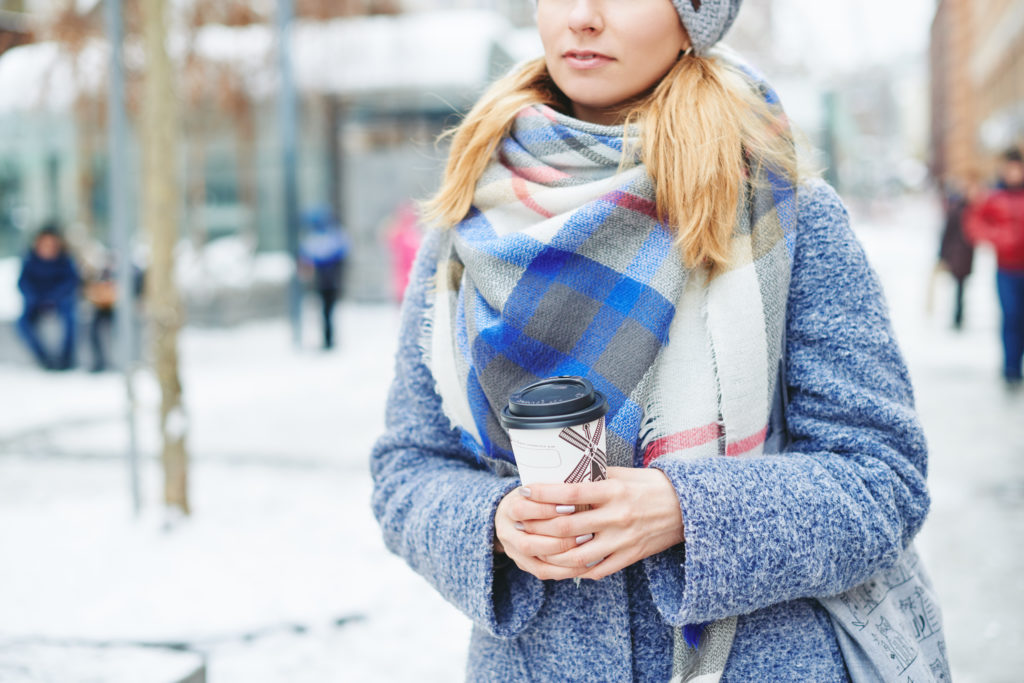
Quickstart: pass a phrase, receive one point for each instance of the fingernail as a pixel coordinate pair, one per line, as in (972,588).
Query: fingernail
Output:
(519,525)
(595,563)
(523,491)
(565,509)
(584,538)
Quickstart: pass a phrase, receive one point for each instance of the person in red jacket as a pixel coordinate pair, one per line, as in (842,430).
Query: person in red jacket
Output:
(998,219)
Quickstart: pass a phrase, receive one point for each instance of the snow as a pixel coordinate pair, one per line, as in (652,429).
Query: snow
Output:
(228,263)
(10,297)
(45,76)
(431,51)
(114,664)
(437,51)
(282,545)
(523,44)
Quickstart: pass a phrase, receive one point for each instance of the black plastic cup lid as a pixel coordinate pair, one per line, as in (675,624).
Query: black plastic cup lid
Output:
(553,403)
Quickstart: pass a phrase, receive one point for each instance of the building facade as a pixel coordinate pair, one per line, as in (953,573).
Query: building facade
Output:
(977,68)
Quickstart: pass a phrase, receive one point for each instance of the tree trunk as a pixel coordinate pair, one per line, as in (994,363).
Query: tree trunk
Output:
(245,159)
(160,211)
(197,180)
(85,179)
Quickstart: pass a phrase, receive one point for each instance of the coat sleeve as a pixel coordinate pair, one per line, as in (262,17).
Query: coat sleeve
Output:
(848,494)
(433,499)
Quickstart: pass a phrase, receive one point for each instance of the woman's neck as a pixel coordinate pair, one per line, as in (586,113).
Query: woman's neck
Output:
(602,117)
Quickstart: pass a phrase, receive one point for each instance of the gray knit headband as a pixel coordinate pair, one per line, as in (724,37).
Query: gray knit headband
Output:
(706,20)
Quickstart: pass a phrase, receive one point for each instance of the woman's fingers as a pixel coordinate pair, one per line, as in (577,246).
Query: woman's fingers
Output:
(520,508)
(569,525)
(544,571)
(586,555)
(583,493)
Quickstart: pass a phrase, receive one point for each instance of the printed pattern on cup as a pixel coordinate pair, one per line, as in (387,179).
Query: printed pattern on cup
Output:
(592,465)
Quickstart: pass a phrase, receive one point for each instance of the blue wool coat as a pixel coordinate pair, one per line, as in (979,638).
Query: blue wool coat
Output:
(764,535)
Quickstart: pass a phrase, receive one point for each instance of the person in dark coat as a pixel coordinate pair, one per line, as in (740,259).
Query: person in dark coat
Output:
(956,252)
(49,283)
(324,249)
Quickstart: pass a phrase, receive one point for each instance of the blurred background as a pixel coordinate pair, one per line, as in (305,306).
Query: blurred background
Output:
(184,485)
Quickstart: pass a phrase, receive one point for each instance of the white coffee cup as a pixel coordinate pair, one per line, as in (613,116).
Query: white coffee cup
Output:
(557,430)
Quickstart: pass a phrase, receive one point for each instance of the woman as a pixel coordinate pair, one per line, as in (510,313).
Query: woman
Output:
(626,208)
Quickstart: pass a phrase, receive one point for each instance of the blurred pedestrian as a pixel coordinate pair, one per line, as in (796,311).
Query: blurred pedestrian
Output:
(403,240)
(323,252)
(49,283)
(956,252)
(998,219)
(628,208)
(101,292)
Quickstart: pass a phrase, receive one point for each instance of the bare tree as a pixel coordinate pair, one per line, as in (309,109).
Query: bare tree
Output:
(160,212)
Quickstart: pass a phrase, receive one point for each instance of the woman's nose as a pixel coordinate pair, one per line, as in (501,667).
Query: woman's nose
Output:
(585,16)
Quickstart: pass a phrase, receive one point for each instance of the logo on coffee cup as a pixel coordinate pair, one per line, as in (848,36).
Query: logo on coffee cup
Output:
(557,430)
(592,465)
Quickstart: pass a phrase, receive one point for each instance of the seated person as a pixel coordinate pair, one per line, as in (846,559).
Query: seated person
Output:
(49,283)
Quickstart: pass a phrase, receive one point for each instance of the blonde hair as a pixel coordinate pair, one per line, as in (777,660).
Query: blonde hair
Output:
(701,128)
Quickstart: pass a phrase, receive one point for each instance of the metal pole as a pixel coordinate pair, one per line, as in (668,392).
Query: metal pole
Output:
(117,136)
(287,122)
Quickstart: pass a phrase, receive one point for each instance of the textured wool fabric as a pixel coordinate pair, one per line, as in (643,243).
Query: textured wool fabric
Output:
(765,535)
(706,21)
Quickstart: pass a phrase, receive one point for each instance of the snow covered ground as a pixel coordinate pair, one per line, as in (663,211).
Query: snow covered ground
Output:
(280,573)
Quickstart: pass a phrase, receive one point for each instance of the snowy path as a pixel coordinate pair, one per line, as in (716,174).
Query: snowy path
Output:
(282,544)
(972,540)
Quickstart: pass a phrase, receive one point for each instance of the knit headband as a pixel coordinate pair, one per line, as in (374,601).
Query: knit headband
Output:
(706,21)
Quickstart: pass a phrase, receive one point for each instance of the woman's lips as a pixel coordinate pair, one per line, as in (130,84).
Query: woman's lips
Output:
(586,59)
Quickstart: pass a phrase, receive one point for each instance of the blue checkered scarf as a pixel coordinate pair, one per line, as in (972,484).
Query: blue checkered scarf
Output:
(574,281)
(561,268)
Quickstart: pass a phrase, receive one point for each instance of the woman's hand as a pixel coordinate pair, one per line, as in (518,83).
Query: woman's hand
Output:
(517,509)
(634,514)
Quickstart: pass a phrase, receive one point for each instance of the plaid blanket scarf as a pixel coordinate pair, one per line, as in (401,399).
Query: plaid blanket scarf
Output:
(562,268)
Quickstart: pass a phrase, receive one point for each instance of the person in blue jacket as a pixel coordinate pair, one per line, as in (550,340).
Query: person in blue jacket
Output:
(48,283)
(323,251)
(627,208)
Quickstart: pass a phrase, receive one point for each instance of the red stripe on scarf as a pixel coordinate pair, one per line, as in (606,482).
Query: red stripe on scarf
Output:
(698,436)
(748,444)
(540,174)
(519,187)
(542,109)
(634,203)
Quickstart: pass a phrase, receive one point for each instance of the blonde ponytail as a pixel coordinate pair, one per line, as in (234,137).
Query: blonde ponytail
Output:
(701,127)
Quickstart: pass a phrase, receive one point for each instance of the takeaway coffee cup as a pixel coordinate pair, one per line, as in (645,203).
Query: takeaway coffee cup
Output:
(557,430)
